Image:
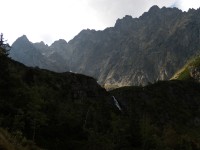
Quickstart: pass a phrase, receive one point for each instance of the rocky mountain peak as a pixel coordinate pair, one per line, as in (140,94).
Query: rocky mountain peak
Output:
(58,42)
(125,23)
(23,39)
(154,9)
(86,32)
(126,19)
(133,52)
(42,43)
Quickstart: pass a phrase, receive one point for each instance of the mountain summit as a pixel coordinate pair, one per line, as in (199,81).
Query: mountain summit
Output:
(133,52)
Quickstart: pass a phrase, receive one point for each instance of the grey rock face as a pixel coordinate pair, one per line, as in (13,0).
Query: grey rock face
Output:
(138,50)
(40,55)
(25,52)
(133,52)
(195,73)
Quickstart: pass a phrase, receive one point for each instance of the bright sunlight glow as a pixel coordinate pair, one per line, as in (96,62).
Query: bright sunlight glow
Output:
(50,20)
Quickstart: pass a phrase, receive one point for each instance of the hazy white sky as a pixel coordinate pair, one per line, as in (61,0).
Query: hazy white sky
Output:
(50,20)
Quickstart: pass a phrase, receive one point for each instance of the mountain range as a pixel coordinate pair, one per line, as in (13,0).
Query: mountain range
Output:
(133,52)
(63,109)
(39,54)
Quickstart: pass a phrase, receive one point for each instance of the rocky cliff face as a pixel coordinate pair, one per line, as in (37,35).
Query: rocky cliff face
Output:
(24,51)
(40,55)
(57,53)
(195,73)
(136,50)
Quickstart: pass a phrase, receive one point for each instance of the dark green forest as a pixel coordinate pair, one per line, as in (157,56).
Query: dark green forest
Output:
(164,115)
(40,109)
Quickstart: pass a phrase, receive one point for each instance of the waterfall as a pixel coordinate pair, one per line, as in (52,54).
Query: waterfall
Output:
(116,103)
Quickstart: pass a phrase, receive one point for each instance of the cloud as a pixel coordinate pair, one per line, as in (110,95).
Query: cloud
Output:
(109,10)
(186,4)
(49,20)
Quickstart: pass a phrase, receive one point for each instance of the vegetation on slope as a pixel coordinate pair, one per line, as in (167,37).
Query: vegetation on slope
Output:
(56,111)
(164,115)
(185,72)
(71,111)
(15,141)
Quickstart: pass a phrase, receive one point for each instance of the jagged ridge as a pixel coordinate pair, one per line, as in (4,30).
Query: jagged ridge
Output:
(136,50)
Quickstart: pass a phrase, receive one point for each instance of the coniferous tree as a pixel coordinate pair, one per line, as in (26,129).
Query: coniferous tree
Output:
(4,73)
(4,47)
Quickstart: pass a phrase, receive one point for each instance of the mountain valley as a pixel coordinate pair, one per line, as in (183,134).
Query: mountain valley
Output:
(134,86)
(41,109)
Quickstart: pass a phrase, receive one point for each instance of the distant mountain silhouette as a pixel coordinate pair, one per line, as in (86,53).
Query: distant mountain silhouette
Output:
(39,54)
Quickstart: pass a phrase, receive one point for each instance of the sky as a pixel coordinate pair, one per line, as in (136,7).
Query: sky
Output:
(50,20)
